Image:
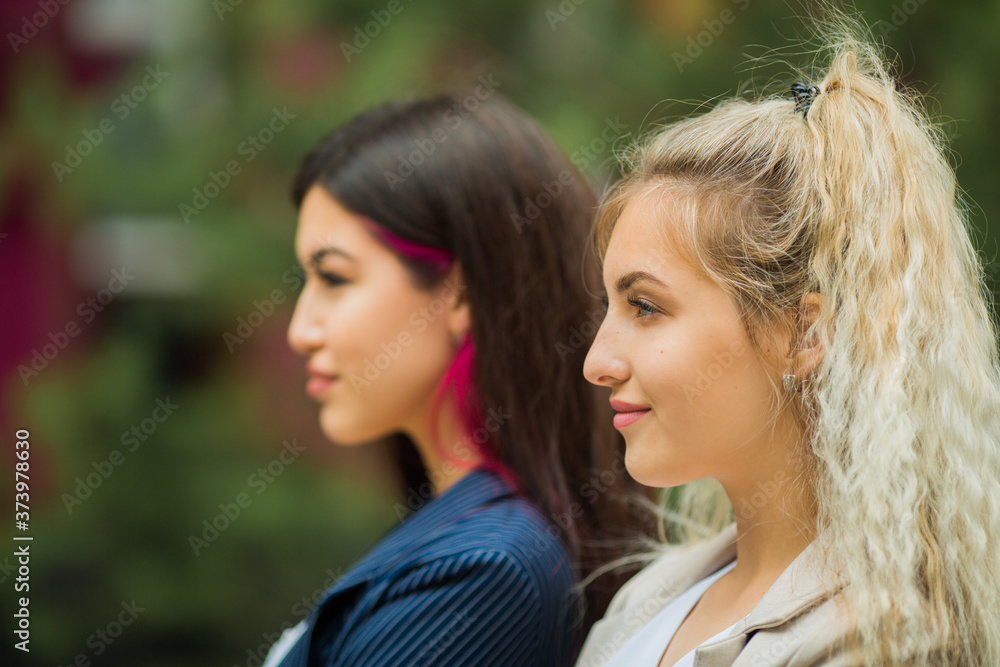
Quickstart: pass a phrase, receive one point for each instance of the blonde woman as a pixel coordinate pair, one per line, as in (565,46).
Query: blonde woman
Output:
(798,333)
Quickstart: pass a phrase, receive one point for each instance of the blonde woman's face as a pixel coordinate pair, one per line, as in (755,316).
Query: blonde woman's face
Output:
(692,398)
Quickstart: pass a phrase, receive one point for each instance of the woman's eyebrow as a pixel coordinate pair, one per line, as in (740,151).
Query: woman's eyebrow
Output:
(317,256)
(633,277)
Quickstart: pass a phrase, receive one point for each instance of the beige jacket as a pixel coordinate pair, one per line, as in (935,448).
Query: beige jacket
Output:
(795,624)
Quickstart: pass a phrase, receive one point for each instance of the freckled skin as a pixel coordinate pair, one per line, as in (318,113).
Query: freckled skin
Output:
(689,360)
(673,342)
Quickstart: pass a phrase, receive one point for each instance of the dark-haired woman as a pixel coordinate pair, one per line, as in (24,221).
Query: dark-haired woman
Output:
(443,245)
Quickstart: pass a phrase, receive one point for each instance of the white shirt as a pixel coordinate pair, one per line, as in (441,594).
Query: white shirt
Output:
(646,647)
(284,644)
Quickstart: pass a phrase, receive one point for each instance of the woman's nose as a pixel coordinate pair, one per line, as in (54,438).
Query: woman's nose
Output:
(605,365)
(305,330)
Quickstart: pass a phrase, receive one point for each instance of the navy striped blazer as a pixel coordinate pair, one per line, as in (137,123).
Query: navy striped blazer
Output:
(476,576)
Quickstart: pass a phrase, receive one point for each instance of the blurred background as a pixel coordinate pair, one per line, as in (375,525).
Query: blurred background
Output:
(148,276)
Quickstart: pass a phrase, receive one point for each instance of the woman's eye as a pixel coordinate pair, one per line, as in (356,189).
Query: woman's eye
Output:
(644,308)
(605,303)
(331,279)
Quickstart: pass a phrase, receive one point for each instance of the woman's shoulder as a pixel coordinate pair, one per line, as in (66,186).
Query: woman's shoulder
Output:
(472,589)
(483,513)
(501,573)
(672,569)
(476,534)
(798,621)
(510,534)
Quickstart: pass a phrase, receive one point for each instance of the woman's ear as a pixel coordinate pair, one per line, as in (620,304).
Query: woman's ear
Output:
(459,317)
(807,351)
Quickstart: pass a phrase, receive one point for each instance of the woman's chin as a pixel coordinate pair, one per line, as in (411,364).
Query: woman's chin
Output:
(347,435)
(653,471)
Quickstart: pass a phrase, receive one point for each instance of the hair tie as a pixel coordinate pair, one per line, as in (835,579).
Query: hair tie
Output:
(804,96)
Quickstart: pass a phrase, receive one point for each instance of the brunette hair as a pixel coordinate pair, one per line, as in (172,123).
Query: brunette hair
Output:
(460,178)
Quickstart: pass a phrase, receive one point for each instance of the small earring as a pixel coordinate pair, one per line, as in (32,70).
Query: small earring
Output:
(456,338)
(791,386)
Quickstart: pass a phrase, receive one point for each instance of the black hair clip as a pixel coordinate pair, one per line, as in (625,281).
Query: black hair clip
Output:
(804,96)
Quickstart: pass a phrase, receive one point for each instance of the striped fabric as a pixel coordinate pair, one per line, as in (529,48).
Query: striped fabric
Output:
(474,577)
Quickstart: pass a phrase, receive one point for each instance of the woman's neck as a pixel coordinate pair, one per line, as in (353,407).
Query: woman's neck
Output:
(454,454)
(776,508)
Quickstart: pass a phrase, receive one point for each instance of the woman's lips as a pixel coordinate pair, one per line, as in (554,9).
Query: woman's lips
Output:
(623,419)
(628,413)
(318,384)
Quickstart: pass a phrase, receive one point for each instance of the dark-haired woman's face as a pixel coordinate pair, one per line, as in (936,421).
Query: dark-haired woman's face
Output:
(376,344)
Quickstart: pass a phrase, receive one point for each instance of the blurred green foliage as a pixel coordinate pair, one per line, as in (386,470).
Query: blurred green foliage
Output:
(577,67)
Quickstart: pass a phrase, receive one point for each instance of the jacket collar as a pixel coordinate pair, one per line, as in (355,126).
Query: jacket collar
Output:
(804,584)
(801,586)
(430,519)
(676,568)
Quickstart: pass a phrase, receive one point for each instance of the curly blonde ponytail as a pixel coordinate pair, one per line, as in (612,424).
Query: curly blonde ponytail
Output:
(908,428)
(856,200)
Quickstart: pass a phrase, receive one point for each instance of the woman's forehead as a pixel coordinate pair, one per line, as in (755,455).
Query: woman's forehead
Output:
(653,229)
